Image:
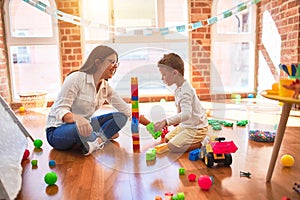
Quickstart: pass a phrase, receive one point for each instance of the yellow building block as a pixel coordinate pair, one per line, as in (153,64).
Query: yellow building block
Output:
(161,148)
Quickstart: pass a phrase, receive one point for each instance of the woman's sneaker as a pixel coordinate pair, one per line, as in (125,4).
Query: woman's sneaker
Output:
(91,146)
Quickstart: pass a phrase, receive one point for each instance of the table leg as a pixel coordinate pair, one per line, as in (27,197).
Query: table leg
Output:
(278,138)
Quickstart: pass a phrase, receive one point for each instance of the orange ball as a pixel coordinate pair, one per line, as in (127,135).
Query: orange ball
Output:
(21,109)
(287,160)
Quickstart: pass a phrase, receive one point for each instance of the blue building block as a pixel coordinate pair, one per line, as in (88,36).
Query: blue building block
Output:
(134,128)
(194,154)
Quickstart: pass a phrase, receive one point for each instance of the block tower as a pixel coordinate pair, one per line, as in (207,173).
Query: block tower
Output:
(135,114)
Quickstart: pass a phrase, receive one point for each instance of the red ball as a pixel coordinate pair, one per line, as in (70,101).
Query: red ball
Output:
(192,177)
(204,182)
(26,154)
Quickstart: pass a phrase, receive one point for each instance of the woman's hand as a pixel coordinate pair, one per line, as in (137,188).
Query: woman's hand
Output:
(83,125)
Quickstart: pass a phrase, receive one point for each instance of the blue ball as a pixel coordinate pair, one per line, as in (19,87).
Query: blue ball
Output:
(52,163)
(250,95)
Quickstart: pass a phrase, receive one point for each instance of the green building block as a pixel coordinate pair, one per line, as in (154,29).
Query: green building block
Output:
(135,104)
(242,123)
(180,196)
(217,127)
(181,171)
(175,197)
(151,154)
(228,124)
(150,128)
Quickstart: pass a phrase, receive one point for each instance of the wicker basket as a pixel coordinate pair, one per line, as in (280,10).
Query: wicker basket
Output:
(33,99)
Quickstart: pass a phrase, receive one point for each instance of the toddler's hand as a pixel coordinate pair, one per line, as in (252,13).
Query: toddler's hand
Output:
(158,126)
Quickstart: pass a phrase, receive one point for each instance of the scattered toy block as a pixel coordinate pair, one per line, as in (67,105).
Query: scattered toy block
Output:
(181,171)
(161,148)
(180,196)
(151,154)
(194,155)
(242,123)
(168,195)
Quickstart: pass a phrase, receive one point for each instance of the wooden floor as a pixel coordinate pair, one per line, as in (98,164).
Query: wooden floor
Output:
(117,173)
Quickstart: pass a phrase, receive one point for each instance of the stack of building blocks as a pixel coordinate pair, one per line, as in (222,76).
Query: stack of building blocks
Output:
(161,148)
(135,113)
(151,154)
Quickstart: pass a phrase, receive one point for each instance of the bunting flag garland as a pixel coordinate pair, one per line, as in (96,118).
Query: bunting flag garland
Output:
(140,31)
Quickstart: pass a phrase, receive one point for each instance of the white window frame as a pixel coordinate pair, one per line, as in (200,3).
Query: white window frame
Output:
(236,38)
(116,38)
(26,41)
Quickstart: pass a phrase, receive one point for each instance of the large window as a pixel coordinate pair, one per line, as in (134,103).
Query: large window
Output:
(128,24)
(32,48)
(233,39)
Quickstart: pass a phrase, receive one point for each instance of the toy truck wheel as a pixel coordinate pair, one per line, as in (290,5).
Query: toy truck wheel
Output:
(228,159)
(202,153)
(209,160)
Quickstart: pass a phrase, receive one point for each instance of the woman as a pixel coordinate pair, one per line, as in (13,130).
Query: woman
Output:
(83,92)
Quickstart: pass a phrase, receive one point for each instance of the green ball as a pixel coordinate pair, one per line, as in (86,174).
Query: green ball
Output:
(50,178)
(34,162)
(38,143)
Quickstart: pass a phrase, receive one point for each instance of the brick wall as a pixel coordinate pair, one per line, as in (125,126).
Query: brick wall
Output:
(286,15)
(70,38)
(200,41)
(4,81)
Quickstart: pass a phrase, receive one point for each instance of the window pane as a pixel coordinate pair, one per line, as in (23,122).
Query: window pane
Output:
(21,13)
(231,71)
(96,11)
(238,23)
(175,12)
(35,69)
(135,13)
(140,60)
(138,53)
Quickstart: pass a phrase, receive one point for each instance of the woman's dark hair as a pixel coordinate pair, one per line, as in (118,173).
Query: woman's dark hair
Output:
(100,52)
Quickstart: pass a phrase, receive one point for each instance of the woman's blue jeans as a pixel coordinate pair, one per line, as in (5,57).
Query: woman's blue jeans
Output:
(66,136)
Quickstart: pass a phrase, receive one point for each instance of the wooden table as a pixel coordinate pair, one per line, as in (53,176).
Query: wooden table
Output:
(287,105)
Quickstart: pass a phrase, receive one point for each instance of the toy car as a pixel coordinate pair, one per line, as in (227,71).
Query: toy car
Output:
(216,151)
